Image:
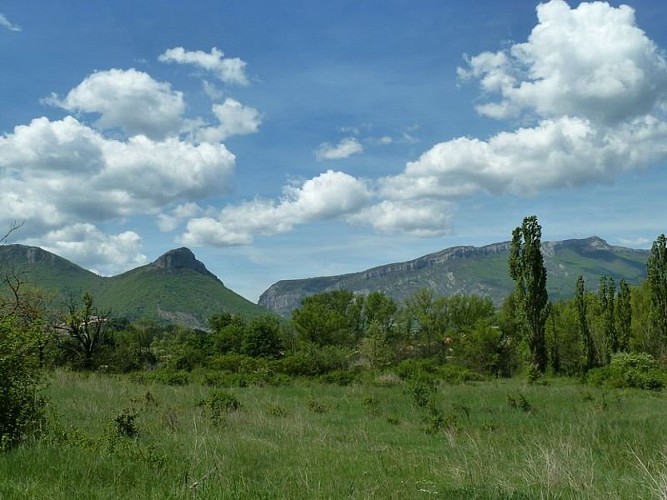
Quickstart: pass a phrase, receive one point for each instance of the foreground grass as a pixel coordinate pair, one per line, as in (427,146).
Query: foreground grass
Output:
(500,439)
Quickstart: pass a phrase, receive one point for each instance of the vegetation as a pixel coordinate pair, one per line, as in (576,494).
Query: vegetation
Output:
(373,439)
(356,396)
(527,269)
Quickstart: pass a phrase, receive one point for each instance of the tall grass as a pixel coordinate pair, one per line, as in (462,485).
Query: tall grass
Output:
(310,440)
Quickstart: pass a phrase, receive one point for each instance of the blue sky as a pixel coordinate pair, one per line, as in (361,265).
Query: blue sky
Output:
(293,139)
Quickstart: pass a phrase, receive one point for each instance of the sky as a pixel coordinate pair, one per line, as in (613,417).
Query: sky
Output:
(301,138)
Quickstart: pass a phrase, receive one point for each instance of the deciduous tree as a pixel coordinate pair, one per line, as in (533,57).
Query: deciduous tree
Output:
(526,266)
(657,281)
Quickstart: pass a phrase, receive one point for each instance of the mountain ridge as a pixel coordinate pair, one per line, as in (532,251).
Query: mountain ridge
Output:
(469,269)
(174,288)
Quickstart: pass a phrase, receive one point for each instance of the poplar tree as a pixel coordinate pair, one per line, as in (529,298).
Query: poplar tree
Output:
(606,296)
(587,345)
(526,266)
(624,314)
(657,282)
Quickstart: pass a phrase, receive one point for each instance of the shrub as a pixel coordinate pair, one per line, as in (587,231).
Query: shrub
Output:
(636,370)
(422,389)
(124,424)
(311,361)
(219,403)
(22,408)
(163,376)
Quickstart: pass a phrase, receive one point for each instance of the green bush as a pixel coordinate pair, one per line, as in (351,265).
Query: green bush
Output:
(636,370)
(311,361)
(169,377)
(22,408)
(218,403)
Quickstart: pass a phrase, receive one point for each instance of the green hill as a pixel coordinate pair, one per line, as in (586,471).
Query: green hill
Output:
(467,270)
(176,288)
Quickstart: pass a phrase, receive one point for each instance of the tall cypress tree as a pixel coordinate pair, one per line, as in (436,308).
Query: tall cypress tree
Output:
(526,266)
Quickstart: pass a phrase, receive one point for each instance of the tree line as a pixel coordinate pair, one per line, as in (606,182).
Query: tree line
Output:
(339,335)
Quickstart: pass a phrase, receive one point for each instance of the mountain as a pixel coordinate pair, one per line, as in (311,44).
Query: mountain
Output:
(176,288)
(468,269)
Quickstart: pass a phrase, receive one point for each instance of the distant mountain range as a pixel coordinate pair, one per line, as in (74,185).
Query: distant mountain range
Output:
(468,269)
(176,288)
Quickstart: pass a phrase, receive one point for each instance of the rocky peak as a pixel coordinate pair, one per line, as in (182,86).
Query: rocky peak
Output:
(181,258)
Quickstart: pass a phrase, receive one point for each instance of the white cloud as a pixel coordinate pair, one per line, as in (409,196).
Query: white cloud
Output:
(591,62)
(346,147)
(234,118)
(128,99)
(594,87)
(5,23)
(213,92)
(420,218)
(63,172)
(590,89)
(329,195)
(169,221)
(639,242)
(228,70)
(86,245)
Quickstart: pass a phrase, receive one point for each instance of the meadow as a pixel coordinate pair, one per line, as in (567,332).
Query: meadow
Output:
(111,437)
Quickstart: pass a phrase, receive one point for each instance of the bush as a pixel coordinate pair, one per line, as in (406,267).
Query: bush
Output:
(22,408)
(637,370)
(219,403)
(310,361)
(168,377)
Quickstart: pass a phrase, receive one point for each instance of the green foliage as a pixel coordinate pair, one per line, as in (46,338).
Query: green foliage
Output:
(526,266)
(262,338)
(586,339)
(657,282)
(310,360)
(637,370)
(624,315)
(580,442)
(481,350)
(22,407)
(316,406)
(607,302)
(219,403)
(340,377)
(421,389)
(519,401)
(425,320)
(86,328)
(125,423)
(330,318)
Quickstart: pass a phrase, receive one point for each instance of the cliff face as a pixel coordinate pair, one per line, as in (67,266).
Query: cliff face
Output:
(180,258)
(468,270)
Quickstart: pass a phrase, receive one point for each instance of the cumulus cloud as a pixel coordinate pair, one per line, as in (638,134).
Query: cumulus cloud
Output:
(420,218)
(592,85)
(127,99)
(5,23)
(85,244)
(346,147)
(592,62)
(564,152)
(234,119)
(327,196)
(228,70)
(169,221)
(63,172)
(589,88)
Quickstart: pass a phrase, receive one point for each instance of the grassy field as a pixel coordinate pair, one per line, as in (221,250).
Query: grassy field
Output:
(382,439)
